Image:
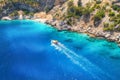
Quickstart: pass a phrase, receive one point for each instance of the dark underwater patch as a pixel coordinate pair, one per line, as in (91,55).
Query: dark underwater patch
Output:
(68,40)
(116,57)
(78,47)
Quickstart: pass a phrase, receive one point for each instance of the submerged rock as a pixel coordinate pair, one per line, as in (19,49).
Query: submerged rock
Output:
(115,57)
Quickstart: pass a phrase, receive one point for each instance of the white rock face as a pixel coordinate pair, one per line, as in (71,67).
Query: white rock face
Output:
(107,35)
(6,18)
(20,17)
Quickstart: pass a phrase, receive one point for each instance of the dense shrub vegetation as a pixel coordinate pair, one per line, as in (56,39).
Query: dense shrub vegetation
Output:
(99,15)
(78,11)
(111,14)
(109,27)
(74,11)
(115,7)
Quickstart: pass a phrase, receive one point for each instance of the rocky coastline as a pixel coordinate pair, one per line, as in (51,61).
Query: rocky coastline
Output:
(91,31)
(62,25)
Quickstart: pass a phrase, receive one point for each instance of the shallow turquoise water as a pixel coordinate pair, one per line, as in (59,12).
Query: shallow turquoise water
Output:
(26,54)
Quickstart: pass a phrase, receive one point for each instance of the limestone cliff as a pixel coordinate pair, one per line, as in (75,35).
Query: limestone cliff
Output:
(9,6)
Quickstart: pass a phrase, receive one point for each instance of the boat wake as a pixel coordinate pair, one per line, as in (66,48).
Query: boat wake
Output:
(85,64)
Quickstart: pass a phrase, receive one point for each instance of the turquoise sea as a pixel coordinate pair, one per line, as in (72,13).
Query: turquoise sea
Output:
(26,53)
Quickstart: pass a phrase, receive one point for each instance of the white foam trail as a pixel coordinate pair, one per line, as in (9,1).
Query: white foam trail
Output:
(84,63)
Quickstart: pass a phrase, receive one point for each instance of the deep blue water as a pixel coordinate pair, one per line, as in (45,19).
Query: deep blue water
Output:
(26,54)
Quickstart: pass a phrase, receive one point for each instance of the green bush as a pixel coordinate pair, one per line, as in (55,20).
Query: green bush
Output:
(106,24)
(115,7)
(26,12)
(104,7)
(111,14)
(115,19)
(86,11)
(118,15)
(74,11)
(79,3)
(109,28)
(99,15)
(92,9)
(96,6)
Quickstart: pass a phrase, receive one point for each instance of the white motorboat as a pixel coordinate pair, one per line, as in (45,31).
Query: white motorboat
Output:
(54,41)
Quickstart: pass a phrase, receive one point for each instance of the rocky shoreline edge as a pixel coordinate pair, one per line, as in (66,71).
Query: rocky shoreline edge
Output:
(62,25)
